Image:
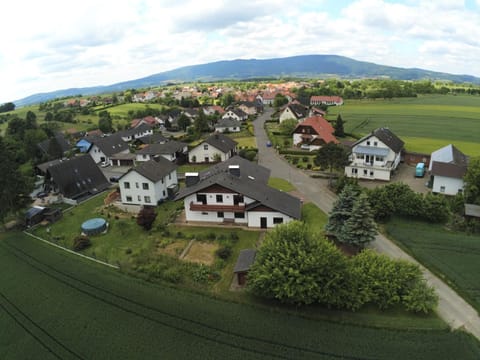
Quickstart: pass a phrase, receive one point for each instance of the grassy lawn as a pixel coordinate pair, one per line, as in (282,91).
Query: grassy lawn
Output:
(246,142)
(280,184)
(123,317)
(315,218)
(424,117)
(193,167)
(454,256)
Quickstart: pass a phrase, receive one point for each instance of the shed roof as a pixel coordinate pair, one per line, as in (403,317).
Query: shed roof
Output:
(472,210)
(245,260)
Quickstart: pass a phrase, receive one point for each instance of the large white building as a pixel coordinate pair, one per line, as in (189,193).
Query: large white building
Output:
(448,166)
(375,156)
(236,191)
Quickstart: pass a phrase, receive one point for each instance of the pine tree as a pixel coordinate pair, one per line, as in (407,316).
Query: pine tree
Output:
(339,130)
(342,209)
(360,228)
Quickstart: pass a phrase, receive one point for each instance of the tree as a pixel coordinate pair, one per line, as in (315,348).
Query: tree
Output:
(296,267)
(342,209)
(183,122)
(331,156)
(15,186)
(31,120)
(227,100)
(339,130)
(48,116)
(287,126)
(54,150)
(360,229)
(105,121)
(279,100)
(472,182)
(9,106)
(146,216)
(201,123)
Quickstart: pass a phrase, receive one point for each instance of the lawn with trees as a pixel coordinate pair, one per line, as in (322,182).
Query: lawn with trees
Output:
(83,310)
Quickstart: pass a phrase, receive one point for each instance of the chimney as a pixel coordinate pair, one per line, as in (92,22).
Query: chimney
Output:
(234,170)
(191,178)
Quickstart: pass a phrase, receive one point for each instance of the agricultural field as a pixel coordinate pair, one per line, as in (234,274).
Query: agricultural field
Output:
(56,305)
(425,123)
(454,256)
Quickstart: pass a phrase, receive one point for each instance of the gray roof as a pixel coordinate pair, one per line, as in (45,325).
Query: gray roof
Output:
(64,145)
(448,170)
(169,147)
(472,210)
(155,138)
(245,260)
(227,123)
(247,185)
(387,137)
(221,142)
(135,131)
(154,170)
(78,176)
(110,145)
(44,166)
(449,154)
(247,168)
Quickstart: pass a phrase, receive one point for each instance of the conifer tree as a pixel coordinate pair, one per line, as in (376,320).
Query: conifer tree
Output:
(360,228)
(342,209)
(339,130)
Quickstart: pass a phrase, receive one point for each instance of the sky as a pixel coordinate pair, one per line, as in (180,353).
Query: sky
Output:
(57,44)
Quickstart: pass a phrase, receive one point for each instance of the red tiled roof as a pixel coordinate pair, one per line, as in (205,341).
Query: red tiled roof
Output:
(321,126)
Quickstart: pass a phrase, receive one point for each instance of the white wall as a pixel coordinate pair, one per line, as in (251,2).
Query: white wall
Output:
(254,218)
(451,185)
(147,157)
(378,174)
(200,153)
(230,129)
(286,114)
(157,191)
(96,154)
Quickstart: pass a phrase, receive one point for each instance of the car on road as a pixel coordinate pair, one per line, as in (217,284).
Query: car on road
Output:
(269,144)
(115,178)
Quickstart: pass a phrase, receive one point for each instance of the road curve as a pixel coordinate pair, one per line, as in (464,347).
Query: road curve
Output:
(451,307)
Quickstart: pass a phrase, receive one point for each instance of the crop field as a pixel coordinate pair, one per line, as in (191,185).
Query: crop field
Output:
(424,123)
(456,256)
(55,305)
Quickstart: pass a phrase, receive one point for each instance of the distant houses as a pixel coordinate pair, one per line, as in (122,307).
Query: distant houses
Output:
(326,100)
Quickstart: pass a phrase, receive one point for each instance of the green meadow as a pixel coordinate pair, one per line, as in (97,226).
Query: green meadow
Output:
(425,123)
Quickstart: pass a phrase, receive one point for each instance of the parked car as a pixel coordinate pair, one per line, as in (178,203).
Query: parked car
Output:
(420,170)
(305,147)
(42,194)
(115,178)
(269,144)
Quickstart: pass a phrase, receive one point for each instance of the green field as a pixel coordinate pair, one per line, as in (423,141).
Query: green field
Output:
(454,256)
(55,305)
(425,123)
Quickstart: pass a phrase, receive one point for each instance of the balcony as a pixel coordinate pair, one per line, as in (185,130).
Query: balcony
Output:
(217,207)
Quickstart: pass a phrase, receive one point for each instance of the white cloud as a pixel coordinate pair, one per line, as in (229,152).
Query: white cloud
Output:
(57,44)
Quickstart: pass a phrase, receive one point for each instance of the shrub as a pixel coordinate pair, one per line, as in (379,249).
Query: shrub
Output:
(172,275)
(234,236)
(305,159)
(224,252)
(211,235)
(201,274)
(81,242)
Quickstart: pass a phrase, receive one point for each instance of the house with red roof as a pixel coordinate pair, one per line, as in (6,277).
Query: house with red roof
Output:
(326,100)
(314,132)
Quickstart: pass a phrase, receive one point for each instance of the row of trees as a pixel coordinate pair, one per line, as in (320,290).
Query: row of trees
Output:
(298,267)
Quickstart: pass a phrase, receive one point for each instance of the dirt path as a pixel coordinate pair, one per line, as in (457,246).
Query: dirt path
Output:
(451,308)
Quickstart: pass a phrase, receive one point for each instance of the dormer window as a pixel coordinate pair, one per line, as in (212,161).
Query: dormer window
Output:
(368,143)
(375,143)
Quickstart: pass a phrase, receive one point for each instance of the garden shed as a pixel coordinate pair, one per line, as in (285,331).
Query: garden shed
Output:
(244,262)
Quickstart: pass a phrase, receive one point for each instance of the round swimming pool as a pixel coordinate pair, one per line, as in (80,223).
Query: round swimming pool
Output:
(94,226)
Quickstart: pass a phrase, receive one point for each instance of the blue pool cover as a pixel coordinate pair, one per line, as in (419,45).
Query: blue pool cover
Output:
(94,226)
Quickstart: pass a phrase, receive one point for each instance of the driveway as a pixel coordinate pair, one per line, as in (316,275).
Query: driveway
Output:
(451,308)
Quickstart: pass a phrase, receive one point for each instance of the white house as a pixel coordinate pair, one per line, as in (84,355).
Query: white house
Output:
(326,100)
(217,147)
(236,114)
(136,132)
(228,125)
(103,148)
(236,191)
(448,166)
(295,112)
(375,156)
(170,150)
(149,182)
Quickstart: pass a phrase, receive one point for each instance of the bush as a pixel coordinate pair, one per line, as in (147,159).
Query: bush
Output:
(211,236)
(305,159)
(172,275)
(234,236)
(81,242)
(224,252)
(201,274)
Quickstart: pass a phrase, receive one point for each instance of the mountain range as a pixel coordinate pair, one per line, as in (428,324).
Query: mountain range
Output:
(303,66)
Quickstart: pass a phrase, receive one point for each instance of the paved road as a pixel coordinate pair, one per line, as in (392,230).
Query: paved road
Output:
(452,308)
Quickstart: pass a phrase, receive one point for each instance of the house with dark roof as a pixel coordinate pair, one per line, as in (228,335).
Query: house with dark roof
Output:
(149,183)
(294,111)
(245,260)
(155,138)
(448,166)
(75,178)
(47,147)
(228,125)
(136,132)
(103,148)
(236,191)
(250,107)
(172,150)
(236,114)
(315,132)
(217,147)
(375,156)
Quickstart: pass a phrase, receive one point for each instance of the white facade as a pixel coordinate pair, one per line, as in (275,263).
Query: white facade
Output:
(98,156)
(138,135)
(287,114)
(232,114)
(372,159)
(138,190)
(447,185)
(146,157)
(205,153)
(219,207)
(222,129)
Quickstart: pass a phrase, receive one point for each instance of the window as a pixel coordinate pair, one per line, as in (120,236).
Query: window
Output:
(139,198)
(375,143)
(354,171)
(163,192)
(147,199)
(368,143)
(442,189)
(205,147)
(371,173)
(144,156)
(145,186)
(220,214)
(278,220)
(126,185)
(365,171)
(219,198)
(237,199)
(360,156)
(378,158)
(137,186)
(129,199)
(169,176)
(204,213)
(239,215)
(202,198)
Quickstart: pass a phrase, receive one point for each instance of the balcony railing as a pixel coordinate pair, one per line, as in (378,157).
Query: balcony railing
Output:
(217,207)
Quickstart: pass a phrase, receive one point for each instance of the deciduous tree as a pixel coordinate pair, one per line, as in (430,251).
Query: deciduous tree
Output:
(331,156)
